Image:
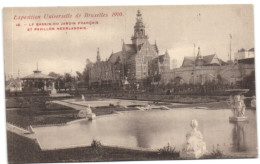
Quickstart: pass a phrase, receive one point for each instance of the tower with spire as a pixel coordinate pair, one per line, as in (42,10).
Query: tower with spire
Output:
(139,36)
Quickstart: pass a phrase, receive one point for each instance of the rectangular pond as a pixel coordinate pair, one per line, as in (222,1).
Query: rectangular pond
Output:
(154,129)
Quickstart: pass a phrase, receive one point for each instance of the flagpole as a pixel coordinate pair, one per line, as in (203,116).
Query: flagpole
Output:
(230,47)
(194,53)
(194,65)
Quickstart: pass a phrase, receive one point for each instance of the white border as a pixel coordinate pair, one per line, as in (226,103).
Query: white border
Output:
(43,3)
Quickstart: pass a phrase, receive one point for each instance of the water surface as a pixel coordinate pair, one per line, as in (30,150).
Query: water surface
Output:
(155,129)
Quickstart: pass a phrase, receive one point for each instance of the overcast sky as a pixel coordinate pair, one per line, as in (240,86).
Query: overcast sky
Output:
(176,28)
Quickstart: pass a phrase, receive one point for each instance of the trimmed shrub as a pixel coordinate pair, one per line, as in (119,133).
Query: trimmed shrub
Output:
(169,151)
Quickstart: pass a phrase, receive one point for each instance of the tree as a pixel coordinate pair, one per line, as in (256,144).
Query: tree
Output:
(220,79)
(248,82)
(79,76)
(157,77)
(58,79)
(85,75)
(55,75)
(68,81)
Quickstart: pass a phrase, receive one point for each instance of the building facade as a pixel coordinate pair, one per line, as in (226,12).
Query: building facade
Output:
(134,63)
(203,69)
(104,73)
(244,54)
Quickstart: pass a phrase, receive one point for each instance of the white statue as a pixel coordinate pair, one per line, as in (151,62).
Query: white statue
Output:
(148,107)
(238,105)
(243,106)
(86,113)
(88,110)
(194,147)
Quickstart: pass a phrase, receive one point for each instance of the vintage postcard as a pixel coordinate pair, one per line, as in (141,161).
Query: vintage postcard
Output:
(129,83)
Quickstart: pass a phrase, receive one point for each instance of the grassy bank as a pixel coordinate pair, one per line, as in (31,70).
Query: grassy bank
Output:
(23,150)
(25,117)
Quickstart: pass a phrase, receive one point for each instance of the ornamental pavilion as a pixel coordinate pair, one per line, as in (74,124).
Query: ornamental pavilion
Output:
(37,81)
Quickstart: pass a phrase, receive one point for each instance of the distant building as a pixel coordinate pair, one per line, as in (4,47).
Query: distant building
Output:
(201,60)
(134,63)
(174,63)
(208,68)
(244,54)
(13,85)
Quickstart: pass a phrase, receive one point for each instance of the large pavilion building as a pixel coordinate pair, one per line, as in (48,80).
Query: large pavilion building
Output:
(134,63)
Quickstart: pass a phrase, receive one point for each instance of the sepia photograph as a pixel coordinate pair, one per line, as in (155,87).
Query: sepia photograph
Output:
(129,83)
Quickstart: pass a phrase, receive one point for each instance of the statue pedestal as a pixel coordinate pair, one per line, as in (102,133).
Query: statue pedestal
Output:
(237,119)
(87,113)
(191,155)
(91,116)
(237,104)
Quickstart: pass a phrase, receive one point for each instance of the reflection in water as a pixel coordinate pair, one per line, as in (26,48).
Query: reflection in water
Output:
(141,138)
(238,137)
(139,130)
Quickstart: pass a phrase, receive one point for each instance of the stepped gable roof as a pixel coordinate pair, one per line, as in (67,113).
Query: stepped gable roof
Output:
(37,75)
(212,59)
(207,60)
(188,61)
